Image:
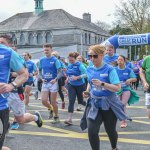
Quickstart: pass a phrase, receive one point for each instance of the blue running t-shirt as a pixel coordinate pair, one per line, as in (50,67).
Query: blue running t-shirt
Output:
(31,69)
(9,59)
(125,74)
(105,73)
(76,69)
(109,59)
(49,67)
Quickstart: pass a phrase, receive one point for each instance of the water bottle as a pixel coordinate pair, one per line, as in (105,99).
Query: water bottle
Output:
(123,84)
(5,95)
(96,88)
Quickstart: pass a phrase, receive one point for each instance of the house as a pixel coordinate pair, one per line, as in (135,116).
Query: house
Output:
(66,33)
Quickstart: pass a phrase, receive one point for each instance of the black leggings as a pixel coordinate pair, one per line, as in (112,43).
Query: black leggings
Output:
(4,116)
(73,92)
(61,82)
(110,121)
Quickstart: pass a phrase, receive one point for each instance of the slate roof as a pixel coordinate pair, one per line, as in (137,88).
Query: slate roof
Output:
(47,20)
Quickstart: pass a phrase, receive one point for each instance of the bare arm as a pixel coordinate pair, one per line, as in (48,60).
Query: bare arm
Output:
(107,86)
(20,79)
(142,76)
(22,76)
(112,87)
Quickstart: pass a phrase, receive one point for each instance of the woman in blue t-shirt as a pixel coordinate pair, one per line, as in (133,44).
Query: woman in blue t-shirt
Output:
(76,72)
(103,104)
(32,71)
(126,76)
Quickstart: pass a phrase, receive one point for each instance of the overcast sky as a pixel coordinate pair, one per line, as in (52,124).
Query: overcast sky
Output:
(102,10)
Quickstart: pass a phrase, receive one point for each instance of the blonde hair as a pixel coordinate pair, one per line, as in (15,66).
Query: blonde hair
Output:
(98,49)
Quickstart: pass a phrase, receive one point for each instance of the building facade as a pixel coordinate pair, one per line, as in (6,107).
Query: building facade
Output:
(65,32)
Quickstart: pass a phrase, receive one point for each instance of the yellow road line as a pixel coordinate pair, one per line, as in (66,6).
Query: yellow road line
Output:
(80,136)
(62,120)
(139,117)
(59,109)
(143,122)
(136,107)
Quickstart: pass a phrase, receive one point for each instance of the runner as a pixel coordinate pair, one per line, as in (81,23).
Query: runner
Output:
(8,60)
(126,77)
(145,77)
(61,80)
(136,71)
(82,60)
(32,69)
(110,57)
(51,71)
(103,105)
(16,97)
(76,72)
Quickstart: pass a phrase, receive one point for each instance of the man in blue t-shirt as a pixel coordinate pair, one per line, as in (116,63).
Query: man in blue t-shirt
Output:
(9,60)
(111,57)
(51,69)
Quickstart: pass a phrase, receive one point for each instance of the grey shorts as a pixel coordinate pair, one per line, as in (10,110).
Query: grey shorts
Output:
(16,104)
(50,87)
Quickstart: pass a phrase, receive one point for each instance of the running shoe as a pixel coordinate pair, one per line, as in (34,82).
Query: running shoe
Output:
(39,122)
(50,113)
(68,122)
(14,126)
(35,95)
(79,108)
(56,119)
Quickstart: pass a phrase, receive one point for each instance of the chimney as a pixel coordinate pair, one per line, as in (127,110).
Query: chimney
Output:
(38,7)
(87,17)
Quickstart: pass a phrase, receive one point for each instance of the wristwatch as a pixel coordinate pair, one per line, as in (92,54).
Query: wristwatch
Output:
(14,85)
(102,84)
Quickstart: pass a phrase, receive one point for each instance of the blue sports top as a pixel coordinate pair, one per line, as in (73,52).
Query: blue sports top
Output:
(106,73)
(31,69)
(125,74)
(129,64)
(76,69)
(9,59)
(49,67)
(109,59)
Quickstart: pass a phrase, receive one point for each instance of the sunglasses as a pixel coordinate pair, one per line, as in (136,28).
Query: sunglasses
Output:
(94,56)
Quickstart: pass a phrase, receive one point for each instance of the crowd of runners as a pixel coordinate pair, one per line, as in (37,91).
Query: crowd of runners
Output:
(104,83)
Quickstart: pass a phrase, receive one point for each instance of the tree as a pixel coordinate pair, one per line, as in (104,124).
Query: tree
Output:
(134,14)
(120,30)
(103,25)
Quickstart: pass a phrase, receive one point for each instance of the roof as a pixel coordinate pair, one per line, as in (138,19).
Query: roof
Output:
(48,19)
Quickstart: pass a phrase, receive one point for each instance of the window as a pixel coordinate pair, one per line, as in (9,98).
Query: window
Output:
(22,39)
(31,39)
(85,38)
(48,37)
(14,39)
(89,39)
(39,39)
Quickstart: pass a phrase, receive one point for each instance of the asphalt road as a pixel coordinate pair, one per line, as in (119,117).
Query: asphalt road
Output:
(61,137)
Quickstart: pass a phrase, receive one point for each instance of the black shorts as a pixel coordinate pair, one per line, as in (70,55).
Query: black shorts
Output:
(28,83)
(61,81)
(4,116)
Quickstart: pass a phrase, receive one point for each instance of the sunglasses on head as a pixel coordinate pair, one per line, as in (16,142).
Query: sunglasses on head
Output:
(94,56)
